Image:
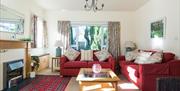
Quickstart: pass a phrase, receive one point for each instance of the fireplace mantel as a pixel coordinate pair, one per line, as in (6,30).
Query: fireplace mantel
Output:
(15,44)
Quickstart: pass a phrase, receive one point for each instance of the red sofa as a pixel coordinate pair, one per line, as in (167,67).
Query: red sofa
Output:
(71,68)
(144,75)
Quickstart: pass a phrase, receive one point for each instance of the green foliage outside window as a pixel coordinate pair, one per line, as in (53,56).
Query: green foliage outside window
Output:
(89,37)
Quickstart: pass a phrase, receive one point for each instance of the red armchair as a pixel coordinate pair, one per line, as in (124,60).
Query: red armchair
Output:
(71,68)
(144,75)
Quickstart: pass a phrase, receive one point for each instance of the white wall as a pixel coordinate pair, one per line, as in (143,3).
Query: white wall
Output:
(123,17)
(153,10)
(26,7)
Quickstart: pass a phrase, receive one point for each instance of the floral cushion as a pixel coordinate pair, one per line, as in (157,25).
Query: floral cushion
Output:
(71,54)
(156,57)
(130,56)
(142,57)
(102,55)
(86,55)
(147,58)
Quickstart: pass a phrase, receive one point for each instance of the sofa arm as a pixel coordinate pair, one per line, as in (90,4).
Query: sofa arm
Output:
(174,67)
(63,60)
(154,69)
(122,58)
(112,62)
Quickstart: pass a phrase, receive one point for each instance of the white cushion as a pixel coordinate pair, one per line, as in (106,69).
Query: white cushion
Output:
(146,58)
(71,54)
(102,55)
(155,58)
(130,56)
(86,55)
(143,57)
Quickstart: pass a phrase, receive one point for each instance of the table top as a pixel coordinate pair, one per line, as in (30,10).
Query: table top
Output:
(106,75)
(55,57)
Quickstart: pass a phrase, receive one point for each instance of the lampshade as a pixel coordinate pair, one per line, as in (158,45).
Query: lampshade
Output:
(59,43)
(130,44)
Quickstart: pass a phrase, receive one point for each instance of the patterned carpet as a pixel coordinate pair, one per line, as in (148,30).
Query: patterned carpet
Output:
(45,83)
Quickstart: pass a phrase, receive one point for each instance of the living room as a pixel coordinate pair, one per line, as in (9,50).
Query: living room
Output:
(43,22)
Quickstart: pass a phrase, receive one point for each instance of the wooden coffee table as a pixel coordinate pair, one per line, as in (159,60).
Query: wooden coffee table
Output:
(105,80)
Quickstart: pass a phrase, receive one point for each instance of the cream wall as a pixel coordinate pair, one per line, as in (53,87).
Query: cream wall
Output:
(123,17)
(153,10)
(26,7)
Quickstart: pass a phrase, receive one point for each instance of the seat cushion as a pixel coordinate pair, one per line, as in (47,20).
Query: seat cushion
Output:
(75,64)
(103,64)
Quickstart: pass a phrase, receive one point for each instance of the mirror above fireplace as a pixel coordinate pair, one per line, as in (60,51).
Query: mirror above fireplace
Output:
(11,21)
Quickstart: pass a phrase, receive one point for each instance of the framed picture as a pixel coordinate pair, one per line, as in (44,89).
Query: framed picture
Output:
(158,28)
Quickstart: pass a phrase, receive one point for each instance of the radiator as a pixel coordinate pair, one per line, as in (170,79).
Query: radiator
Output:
(168,84)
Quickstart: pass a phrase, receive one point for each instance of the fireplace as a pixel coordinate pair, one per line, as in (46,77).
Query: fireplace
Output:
(12,73)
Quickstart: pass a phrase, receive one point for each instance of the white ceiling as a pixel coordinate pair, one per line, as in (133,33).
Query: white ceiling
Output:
(77,5)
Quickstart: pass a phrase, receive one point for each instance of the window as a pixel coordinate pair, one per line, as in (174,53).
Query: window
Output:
(40,33)
(94,37)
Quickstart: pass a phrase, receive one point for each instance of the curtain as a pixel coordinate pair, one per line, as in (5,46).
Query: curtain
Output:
(114,41)
(64,32)
(45,34)
(33,31)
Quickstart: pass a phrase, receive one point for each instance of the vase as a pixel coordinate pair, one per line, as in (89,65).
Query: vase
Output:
(32,74)
(58,52)
(96,68)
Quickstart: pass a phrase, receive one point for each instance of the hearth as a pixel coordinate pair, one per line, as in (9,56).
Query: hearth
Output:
(12,73)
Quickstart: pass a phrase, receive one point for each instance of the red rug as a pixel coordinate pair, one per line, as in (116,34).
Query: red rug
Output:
(45,83)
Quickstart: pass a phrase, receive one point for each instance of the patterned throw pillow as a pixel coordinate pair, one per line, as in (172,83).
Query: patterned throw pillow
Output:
(156,57)
(142,57)
(102,55)
(130,56)
(71,54)
(86,55)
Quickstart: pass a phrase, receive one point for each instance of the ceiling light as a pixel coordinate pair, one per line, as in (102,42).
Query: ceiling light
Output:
(93,6)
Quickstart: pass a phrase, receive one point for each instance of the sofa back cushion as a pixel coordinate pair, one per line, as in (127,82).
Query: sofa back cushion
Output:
(86,55)
(94,57)
(102,55)
(71,54)
(167,56)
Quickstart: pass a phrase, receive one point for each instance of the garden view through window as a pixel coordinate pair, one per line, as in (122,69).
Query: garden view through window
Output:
(89,37)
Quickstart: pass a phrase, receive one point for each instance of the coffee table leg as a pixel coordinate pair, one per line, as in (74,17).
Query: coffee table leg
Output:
(115,86)
(80,86)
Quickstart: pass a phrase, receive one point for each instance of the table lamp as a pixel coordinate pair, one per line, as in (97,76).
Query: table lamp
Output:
(130,46)
(58,44)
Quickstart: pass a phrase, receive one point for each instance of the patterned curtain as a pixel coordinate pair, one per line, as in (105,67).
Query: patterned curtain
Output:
(114,42)
(33,31)
(64,32)
(45,34)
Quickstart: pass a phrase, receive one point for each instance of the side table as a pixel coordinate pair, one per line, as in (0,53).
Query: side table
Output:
(55,62)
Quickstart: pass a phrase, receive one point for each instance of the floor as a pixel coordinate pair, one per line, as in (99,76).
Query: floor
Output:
(48,71)
(73,85)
